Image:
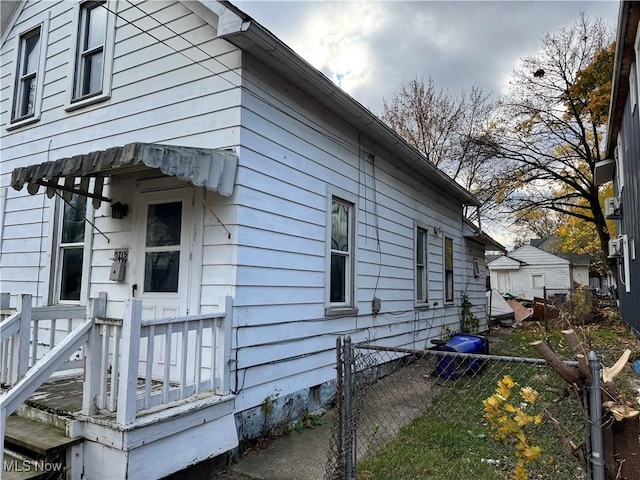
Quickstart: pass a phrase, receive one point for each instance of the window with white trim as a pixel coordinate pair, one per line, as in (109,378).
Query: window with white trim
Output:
(90,52)
(24,102)
(31,48)
(341,255)
(70,249)
(93,53)
(421,267)
(448,270)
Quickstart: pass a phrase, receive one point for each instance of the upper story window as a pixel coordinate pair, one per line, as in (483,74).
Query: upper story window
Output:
(93,54)
(341,275)
(448,270)
(31,48)
(421,257)
(91,48)
(28,59)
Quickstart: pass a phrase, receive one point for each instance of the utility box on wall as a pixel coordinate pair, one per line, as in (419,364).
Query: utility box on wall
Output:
(119,265)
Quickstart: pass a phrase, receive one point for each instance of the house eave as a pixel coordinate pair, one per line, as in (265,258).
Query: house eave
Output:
(253,38)
(628,17)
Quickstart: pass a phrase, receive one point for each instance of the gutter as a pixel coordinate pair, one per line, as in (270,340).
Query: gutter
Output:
(249,35)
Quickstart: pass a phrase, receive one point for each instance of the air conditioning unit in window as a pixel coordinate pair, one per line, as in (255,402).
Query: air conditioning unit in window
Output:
(616,247)
(612,208)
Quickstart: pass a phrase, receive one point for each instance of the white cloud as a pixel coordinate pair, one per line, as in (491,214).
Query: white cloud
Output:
(334,39)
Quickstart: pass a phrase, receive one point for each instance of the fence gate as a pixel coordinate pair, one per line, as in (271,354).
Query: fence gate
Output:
(433,414)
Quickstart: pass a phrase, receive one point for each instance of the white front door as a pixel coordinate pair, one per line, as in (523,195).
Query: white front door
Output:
(163,262)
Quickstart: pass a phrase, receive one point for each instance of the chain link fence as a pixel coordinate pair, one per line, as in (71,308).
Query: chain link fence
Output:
(419,414)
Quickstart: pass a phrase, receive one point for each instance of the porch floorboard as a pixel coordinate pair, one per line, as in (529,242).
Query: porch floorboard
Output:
(62,395)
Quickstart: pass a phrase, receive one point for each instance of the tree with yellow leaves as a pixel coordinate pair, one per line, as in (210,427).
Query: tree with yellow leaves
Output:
(551,131)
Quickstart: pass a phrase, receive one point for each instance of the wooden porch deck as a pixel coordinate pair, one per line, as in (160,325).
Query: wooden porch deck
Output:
(62,395)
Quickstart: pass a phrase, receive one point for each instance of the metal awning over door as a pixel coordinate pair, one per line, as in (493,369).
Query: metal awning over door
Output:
(213,169)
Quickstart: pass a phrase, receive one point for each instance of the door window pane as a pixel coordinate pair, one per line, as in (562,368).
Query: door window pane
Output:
(164,222)
(161,271)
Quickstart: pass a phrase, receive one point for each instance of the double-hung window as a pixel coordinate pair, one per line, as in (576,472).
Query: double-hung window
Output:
(90,59)
(421,268)
(31,48)
(448,270)
(26,79)
(71,243)
(93,53)
(341,256)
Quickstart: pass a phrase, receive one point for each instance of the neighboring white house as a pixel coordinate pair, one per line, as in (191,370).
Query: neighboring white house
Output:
(181,161)
(527,270)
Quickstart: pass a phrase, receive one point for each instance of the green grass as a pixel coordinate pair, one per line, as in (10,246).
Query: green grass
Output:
(451,440)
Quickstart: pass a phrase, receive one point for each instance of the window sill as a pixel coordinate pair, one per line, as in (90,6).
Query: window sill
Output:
(21,123)
(340,311)
(422,306)
(87,101)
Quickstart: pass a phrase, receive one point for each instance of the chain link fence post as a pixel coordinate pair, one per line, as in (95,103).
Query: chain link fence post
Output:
(349,411)
(595,417)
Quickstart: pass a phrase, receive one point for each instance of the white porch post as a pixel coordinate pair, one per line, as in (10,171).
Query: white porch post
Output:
(3,422)
(21,353)
(92,356)
(130,351)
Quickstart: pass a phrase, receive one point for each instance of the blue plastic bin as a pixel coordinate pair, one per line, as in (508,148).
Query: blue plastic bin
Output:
(453,367)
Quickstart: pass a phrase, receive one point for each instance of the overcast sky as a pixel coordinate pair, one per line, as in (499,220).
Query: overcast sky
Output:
(372,48)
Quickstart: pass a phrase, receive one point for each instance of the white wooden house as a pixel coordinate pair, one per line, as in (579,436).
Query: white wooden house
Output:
(527,270)
(193,214)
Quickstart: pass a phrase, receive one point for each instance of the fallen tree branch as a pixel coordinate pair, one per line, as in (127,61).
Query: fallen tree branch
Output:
(583,367)
(608,374)
(569,374)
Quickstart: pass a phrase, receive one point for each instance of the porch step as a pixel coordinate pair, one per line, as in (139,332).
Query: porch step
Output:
(32,437)
(34,450)
(19,467)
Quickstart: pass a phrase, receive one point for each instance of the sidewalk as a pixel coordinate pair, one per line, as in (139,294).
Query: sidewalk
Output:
(296,456)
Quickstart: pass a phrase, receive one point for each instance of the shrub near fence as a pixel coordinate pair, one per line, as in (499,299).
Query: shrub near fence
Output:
(419,414)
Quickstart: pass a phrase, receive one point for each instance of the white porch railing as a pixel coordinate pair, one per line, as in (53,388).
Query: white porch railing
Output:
(129,365)
(30,333)
(134,364)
